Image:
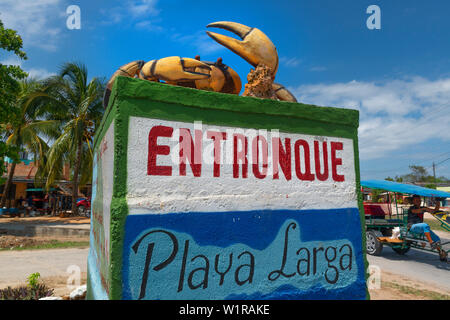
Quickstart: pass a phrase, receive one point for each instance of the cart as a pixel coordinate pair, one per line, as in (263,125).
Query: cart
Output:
(386,227)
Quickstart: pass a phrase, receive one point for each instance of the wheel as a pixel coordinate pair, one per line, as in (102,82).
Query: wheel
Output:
(402,251)
(83,211)
(373,246)
(443,256)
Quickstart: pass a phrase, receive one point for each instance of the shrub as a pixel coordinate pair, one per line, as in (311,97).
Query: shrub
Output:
(32,291)
(26,293)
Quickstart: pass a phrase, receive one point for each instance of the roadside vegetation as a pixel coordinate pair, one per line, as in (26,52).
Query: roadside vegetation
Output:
(10,242)
(435,225)
(414,292)
(52,244)
(53,119)
(34,290)
(421,175)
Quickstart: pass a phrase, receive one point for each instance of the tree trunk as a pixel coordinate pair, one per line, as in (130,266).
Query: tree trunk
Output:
(75,179)
(8,184)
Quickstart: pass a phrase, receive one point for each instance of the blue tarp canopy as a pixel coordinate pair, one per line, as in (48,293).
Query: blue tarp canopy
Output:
(39,189)
(404,188)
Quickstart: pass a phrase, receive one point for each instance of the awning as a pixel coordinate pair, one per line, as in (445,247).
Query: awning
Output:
(404,188)
(39,189)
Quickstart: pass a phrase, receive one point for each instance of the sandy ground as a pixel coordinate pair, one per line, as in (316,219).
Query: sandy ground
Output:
(60,285)
(43,220)
(10,242)
(389,291)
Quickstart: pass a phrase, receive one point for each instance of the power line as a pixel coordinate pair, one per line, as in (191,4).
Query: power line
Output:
(403,167)
(442,161)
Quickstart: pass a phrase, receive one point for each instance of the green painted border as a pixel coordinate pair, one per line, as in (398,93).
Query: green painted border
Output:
(138,98)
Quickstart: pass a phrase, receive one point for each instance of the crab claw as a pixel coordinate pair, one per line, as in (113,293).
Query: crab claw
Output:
(173,69)
(255,47)
(282,93)
(130,69)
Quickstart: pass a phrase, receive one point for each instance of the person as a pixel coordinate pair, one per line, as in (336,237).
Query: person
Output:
(20,205)
(46,206)
(417,226)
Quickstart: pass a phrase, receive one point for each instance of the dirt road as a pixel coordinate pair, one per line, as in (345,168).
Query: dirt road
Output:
(52,264)
(415,264)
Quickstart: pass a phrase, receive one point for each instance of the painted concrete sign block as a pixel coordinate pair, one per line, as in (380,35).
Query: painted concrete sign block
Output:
(200,195)
(102,185)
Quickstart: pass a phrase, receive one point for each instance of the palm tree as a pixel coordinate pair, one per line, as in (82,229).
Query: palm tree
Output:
(77,105)
(27,130)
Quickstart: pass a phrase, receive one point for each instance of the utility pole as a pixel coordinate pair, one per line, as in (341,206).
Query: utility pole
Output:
(434,172)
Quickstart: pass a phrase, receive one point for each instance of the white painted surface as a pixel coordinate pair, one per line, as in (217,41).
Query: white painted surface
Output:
(164,194)
(103,168)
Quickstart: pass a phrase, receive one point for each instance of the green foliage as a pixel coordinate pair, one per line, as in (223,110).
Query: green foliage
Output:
(9,88)
(33,291)
(418,174)
(28,131)
(376,196)
(53,244)
(396,179)
(418,292)
(33,280)
(76,104)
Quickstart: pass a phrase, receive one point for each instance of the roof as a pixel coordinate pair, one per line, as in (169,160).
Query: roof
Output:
(404,188)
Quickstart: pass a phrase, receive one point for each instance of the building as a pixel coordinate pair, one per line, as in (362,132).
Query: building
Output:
(24,184)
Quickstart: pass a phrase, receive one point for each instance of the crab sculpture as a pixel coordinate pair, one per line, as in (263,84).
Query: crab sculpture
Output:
(254,47)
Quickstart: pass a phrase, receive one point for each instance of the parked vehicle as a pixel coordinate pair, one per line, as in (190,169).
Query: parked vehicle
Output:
(391,229)
(84,207)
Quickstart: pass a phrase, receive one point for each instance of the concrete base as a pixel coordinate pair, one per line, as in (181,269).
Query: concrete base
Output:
(69,231)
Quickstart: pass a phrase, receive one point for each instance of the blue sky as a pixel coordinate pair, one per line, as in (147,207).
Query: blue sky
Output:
(398,77)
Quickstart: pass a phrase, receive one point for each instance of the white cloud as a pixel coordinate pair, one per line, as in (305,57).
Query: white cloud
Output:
(318,69)
(290,62)
(37,73)
(143,8)
(200,40)
(34,21)
(143,14)
(394,114)
(148,26)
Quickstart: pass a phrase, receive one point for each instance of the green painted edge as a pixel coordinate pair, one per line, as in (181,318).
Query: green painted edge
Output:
(119,206)
(141,89)
(125,103)
(89,293)
(361,212)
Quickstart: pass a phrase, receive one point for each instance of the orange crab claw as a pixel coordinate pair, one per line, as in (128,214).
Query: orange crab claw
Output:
(173,69)
(130,69)
(223,78)
(282,93)
(255,47)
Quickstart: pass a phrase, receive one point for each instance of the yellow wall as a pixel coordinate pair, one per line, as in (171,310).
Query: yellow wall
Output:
(20,190)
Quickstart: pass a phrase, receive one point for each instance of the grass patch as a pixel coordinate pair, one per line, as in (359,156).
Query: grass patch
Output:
(435,224)
(420,293)
(52,244)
